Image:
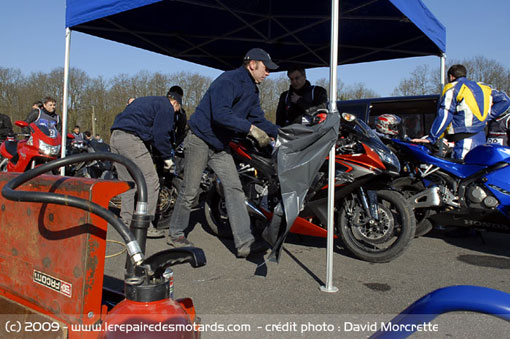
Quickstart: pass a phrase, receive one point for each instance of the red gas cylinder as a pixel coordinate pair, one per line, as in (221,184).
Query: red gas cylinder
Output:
(148,312)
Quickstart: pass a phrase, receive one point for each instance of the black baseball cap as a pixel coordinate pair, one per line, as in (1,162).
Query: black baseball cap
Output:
(175,96)
(260,55)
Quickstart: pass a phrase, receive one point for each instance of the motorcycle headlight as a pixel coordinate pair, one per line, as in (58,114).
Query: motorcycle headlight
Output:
(50,150)
(389,160)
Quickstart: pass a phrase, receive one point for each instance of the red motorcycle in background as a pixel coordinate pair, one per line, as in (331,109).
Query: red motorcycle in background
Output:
(41,146)
(374,222)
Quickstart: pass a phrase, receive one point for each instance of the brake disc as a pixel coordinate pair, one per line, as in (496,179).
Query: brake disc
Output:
(372,231)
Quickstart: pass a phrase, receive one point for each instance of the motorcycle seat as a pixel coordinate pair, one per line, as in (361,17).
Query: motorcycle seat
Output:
(263,159)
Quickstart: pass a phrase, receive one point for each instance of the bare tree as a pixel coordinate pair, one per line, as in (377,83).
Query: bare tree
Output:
(11,95)
(423,81)
(348,92)
(420,82)
(357,91)
(270,91)
(488,71)
(194,86)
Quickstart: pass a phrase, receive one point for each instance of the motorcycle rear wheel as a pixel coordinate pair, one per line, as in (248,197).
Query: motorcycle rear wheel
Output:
(216,214)
(166,202)
(387,238)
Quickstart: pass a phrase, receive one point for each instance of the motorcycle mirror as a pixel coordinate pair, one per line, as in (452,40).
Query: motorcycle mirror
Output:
(21,123)
(70,136)
(348,117)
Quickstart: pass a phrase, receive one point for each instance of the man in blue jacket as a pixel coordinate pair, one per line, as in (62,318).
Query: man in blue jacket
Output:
(146,121)
(230,106)
(467,106)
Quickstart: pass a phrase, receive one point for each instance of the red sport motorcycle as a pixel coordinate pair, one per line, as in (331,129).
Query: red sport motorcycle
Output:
(374,222)
(41,146)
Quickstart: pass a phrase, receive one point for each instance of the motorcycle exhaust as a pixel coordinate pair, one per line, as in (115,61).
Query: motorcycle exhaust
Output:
(253,210)
(428,198)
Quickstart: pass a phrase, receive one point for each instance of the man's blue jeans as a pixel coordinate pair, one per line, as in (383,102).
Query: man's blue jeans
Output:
(197,155)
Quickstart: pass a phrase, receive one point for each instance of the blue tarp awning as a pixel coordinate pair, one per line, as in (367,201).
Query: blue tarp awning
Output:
(218,33)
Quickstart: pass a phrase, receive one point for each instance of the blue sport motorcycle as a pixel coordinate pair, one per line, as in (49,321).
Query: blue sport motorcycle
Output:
(474,192)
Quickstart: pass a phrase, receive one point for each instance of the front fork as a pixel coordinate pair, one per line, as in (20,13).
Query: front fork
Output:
(369,201)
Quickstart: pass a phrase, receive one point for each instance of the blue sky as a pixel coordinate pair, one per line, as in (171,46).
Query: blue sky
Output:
(33,39)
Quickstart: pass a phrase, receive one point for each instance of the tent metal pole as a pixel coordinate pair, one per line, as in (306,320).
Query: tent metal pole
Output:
(328,287)
(65,96)
(442,61)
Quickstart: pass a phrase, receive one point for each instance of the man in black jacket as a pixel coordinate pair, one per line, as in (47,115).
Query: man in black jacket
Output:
(180,119)
(231,106)
(146,121)
(5,126)
(300,96)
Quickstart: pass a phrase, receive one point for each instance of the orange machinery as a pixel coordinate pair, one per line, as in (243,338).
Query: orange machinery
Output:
(52,261)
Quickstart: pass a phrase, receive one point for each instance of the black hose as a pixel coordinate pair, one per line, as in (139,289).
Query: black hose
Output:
(9,192)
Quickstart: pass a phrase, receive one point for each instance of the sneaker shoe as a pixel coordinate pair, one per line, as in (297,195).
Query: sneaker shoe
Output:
(251,248)
(179,242)
(153,232)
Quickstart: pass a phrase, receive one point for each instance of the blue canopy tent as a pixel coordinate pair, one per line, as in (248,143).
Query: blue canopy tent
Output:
(217,33)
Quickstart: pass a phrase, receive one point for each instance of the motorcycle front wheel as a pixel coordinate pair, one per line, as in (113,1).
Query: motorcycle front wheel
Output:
(379,240)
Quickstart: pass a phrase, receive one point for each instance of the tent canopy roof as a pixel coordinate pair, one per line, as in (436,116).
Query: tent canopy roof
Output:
(217,33)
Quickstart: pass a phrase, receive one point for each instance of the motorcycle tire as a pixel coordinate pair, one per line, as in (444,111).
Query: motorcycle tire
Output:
(166,202)
(409,187)
(216,214)
(396,229)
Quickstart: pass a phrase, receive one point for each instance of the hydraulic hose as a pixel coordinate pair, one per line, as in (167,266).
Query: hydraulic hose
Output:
(133,247)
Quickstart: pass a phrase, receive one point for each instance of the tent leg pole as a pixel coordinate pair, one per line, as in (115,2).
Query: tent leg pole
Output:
(442,68)
(65,97)
(328,287)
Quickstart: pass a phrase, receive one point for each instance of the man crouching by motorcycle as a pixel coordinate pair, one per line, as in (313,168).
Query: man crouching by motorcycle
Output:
(146,121)
(230,105)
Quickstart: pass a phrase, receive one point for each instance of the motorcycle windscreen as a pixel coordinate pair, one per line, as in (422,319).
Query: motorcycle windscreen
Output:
(299,153)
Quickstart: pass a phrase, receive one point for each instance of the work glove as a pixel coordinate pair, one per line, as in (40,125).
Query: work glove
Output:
(262,138)
(169,165)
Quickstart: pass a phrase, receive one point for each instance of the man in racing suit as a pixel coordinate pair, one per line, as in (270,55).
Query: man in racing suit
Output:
(465,108)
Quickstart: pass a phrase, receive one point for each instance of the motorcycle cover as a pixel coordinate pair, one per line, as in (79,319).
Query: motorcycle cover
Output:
(299,153)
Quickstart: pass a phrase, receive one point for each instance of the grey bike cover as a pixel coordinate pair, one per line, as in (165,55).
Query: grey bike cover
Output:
(299,153)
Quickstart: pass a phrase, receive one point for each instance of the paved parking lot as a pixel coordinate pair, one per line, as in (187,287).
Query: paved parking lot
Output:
(285,300)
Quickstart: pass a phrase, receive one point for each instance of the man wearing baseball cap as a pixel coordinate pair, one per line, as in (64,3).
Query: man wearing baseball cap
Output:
(230,106)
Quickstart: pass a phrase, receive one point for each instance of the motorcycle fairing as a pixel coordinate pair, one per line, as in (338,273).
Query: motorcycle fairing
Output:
(423,155)
(488,155)
(497,182)
(368,158)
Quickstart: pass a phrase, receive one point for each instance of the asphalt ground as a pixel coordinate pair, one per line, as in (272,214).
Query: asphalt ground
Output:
(245,298)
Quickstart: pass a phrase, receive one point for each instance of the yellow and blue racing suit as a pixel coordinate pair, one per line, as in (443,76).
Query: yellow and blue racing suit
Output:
(467,106)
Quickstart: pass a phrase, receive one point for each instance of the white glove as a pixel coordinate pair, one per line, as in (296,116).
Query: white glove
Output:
(169,164)
(262,138)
